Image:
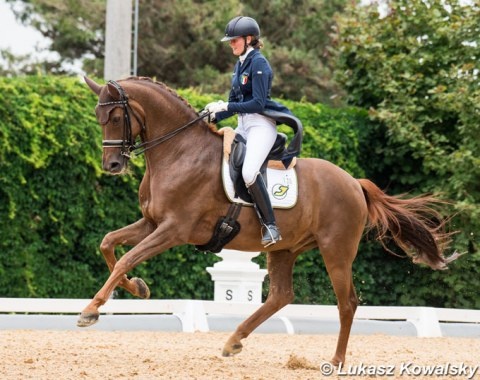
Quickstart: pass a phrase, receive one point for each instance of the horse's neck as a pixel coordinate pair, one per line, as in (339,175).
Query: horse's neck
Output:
(193,148)
(166,112)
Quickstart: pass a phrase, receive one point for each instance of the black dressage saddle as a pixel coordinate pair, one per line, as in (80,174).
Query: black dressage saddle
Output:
(279,152)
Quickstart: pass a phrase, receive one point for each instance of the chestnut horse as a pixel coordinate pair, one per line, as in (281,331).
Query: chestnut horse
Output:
(182,197)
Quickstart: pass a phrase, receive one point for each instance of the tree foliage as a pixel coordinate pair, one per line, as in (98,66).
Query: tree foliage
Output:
(56,204)
(417,71)
(179,41)
(74,27)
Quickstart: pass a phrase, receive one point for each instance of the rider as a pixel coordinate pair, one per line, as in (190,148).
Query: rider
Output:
(250,98)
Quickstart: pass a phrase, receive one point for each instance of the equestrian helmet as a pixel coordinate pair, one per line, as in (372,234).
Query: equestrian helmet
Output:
(241,26)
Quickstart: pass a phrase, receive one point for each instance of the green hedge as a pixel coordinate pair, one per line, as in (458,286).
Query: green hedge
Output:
(56,205)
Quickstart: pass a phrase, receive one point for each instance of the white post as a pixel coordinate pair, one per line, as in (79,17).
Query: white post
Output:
(118,39)
(237,278)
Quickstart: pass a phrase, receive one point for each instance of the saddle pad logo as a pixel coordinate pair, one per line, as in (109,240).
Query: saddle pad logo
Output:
(279,191)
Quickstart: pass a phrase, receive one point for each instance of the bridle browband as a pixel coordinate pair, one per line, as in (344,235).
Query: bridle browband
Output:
(128,145)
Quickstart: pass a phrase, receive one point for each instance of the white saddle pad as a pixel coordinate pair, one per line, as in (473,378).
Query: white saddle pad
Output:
(282,186)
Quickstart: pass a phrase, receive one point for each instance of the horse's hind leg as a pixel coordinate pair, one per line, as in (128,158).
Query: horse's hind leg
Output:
(339,267)
(128,235)
(280,269)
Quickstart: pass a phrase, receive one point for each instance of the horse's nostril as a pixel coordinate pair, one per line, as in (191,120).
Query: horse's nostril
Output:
(115,167)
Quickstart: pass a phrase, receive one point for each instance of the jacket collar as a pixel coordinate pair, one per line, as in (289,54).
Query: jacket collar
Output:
(249,57)
(243,57)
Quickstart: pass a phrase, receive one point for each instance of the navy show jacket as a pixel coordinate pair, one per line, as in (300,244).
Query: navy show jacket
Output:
(251,86)
(250,93)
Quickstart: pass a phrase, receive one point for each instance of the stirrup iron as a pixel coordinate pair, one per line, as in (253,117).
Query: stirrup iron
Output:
(270,235)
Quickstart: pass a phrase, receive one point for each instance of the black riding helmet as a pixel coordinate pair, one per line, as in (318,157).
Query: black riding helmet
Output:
(240,27)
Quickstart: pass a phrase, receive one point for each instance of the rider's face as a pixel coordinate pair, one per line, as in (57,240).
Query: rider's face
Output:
(238,44)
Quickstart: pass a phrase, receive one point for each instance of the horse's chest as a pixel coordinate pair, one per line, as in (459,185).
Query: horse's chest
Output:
(145,203)
(151,207)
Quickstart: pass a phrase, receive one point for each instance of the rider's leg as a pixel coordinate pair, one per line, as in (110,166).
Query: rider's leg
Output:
(258,191)
(261,135)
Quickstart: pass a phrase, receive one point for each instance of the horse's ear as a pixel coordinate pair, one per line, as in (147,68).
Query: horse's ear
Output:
(113,91)
(95,87)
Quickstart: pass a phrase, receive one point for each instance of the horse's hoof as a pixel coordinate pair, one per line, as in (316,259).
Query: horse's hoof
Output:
(232,350)
(87,319)
(142,288)
(336,361)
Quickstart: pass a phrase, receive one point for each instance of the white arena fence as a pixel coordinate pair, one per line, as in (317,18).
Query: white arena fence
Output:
(194,314)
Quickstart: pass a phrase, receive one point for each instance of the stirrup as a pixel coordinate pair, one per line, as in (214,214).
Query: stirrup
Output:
(271,235)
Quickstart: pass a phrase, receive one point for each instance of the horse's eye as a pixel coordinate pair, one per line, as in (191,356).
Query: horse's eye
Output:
(116,120)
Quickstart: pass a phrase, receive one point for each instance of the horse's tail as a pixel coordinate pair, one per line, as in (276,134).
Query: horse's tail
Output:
(414,224)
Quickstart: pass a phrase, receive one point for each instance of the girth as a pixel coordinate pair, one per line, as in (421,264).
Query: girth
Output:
(226,229)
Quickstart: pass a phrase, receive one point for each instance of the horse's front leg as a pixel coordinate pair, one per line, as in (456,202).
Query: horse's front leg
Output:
(129,235)
(158,241)
(280,271)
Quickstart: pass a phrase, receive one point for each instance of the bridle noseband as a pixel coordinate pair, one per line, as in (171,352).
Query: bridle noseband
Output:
(128,145)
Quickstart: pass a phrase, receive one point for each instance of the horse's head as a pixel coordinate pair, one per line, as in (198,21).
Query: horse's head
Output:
(122,120)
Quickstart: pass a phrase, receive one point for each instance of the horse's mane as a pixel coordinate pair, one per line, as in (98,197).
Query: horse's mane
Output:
(163,86)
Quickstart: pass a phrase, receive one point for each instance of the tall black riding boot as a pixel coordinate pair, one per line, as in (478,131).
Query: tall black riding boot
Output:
(258,191)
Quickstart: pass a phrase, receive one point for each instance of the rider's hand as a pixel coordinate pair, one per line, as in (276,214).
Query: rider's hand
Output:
(207,116)
(215,107)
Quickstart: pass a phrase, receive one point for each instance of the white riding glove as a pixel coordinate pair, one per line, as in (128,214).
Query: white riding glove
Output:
(216,107)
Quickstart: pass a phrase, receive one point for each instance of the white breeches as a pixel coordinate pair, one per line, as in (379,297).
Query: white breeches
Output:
(260,132)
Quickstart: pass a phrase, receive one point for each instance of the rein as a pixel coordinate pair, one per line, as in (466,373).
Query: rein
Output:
(128,144)
(144,146)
